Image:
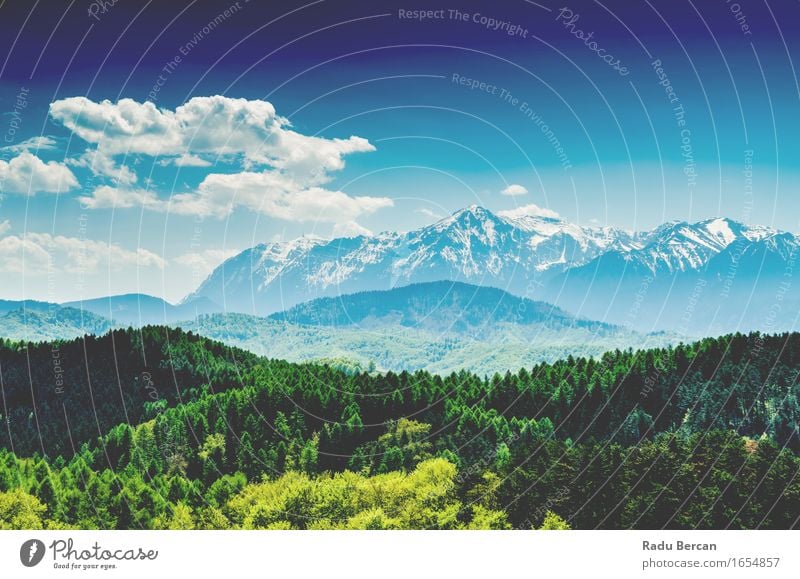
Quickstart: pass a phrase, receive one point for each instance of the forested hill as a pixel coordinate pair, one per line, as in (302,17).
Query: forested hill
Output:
(190,424)
(441,306)
(59,395)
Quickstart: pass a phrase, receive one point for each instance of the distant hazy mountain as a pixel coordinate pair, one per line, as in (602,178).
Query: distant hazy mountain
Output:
(52,323)
(707,278)
(140,309)
(438,326)
(444,307)
(32,305)
(704,278)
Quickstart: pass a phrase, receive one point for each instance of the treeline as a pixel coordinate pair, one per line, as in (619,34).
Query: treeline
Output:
(58,395)
(700,435)
(747,383)
(716,480)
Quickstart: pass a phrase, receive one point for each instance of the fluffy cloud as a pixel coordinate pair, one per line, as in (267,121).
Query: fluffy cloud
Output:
(106,197)
(5,226)
(275,194)
(529,211)
(27,174)
(271,193)
(40,253)
(284,171)
(213,125)
(350,229)
(41,143)
(514,190)
(187,161)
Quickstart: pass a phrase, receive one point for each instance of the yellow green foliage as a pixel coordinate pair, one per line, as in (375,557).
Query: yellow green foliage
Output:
(422,499)
(19,510)
(552,522)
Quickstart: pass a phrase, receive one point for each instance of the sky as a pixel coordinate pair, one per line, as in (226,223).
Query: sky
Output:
(145,142)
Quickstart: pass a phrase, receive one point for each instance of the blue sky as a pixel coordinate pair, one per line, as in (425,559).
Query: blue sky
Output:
(328,118)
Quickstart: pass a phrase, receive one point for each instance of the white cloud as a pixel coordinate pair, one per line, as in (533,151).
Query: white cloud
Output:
(350,229)
(41,143)
(284,171)
(106,197)
(213,125)
(5,226)
(428,213)
(41,253)
(275,194)
(204,262)
(102,164)
(529,211)
(27,174)
(514,190)
(187,160)
(271,193)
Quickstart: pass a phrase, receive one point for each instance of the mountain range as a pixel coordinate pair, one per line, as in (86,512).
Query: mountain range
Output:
(441,327)
(475,275)
(703,278)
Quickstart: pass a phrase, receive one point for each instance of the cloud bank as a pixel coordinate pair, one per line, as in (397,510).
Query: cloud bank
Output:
(42,253)
(283,171)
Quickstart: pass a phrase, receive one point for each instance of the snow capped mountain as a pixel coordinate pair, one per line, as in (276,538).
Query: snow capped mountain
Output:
(472,245)
(596,272)
(705,278)
(681,246)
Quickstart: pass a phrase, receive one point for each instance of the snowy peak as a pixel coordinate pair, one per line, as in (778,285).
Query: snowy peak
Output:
(682,246)
(520,250)
(474,221)
(725,231)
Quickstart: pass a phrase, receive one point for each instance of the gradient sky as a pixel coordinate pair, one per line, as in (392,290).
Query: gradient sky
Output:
(340,69)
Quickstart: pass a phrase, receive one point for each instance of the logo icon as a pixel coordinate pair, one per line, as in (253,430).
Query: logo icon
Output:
(32,552)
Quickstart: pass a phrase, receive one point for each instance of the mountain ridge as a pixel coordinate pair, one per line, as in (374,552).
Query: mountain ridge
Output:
(591,272)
